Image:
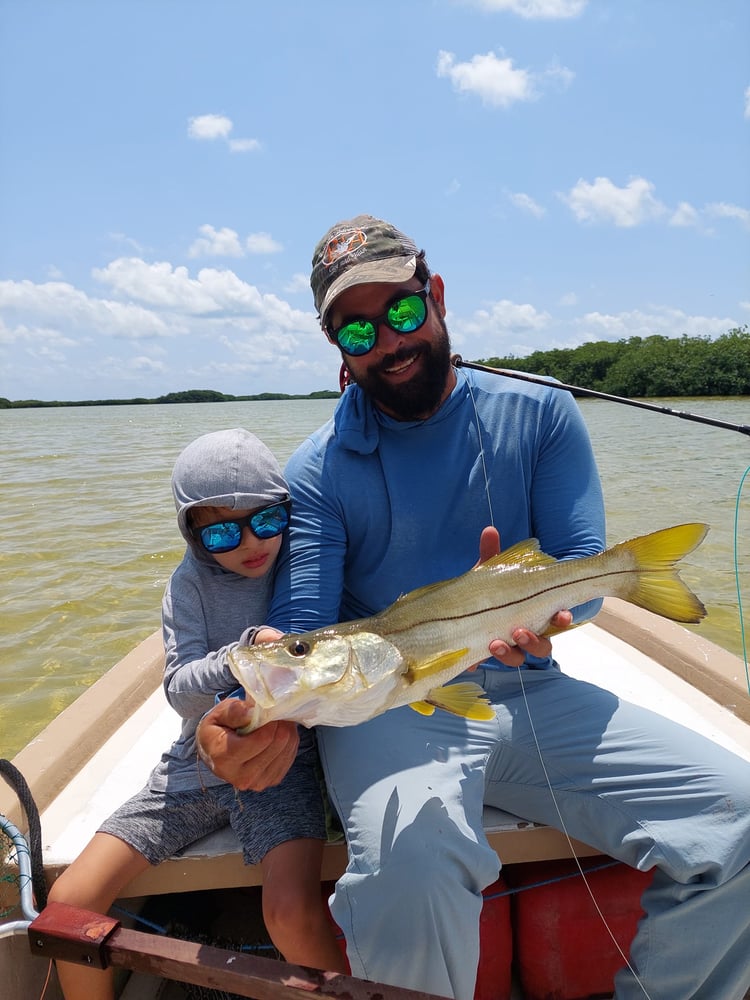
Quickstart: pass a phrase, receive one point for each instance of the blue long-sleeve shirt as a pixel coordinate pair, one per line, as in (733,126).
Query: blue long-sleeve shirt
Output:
(383,506)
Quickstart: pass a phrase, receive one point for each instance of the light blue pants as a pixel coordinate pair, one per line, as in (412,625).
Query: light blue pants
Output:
(639,788)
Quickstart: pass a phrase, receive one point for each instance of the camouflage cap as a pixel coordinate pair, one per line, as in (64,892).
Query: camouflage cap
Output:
(358,251)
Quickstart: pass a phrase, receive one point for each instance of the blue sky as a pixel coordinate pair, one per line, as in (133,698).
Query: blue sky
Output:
(575,169)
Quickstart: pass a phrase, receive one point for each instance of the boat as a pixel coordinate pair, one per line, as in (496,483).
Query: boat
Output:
(99,750)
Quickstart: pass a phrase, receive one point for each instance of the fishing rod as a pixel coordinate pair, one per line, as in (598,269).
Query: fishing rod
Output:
(459,362)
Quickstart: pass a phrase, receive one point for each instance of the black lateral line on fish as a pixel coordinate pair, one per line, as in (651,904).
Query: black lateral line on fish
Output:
(509,604)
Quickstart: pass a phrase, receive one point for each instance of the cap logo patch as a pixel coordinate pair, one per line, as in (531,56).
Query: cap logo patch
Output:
(342,244)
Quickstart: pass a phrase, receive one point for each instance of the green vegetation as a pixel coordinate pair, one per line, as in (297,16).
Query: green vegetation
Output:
(648,366)
(190,396)
(639,367)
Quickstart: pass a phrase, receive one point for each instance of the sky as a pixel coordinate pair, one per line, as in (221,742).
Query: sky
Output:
(576,170)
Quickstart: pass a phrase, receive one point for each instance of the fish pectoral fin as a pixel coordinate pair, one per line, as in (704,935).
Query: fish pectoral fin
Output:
(466,699)
(419,669)
(423,707)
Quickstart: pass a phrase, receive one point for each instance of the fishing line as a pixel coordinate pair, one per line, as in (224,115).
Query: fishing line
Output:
(458,362)
(737,575)
(569,840)
(481,450)
(581,872)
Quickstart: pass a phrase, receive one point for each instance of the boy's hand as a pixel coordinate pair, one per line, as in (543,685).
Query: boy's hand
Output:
(526,641)
(252,762)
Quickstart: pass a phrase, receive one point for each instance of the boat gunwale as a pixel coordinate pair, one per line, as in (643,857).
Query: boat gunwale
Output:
(69,742)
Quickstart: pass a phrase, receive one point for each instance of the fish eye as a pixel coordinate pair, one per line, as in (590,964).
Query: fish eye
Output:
(298,648)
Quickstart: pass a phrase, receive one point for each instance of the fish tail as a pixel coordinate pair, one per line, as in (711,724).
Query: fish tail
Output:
(656,585)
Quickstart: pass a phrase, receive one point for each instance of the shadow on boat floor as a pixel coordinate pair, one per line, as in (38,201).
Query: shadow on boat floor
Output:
(223,918)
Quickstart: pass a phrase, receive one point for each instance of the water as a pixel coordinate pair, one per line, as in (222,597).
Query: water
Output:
(89,535)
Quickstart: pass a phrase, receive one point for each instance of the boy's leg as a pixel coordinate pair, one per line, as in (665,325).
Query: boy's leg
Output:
(284,829)
(642,789)
(93,882)
(294,910)
(146,829)
(409,792)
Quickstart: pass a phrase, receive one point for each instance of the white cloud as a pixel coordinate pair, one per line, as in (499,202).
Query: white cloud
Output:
(684,215)
(662,320)
(262,243)
(527,204)
(60,304)
(504,317)
(549,9)
(724,210)
(209,127)
(216,243)
(603,201)
(747,102)
(569,299)
(493,79)
(244,145)
(299,282)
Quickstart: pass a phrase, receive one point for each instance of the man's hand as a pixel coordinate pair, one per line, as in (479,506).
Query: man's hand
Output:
(252,762)
(266,634)
(526,641)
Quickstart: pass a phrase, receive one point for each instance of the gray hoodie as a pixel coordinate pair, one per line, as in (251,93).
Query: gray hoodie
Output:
(207,609)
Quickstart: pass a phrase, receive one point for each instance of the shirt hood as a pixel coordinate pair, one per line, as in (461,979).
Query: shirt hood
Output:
(358,421)
(230,468)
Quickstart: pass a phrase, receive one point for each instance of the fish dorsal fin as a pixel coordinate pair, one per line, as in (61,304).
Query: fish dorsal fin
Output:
(466,699)
(415,595)
(419,669)
(523,554)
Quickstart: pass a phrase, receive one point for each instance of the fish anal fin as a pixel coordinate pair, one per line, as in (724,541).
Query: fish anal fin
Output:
(467,699)
(419,669)
(423,707)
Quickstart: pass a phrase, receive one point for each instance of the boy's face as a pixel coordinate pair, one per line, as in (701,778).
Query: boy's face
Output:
(253,557)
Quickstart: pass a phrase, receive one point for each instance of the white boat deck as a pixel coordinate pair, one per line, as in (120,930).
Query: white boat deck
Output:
(589,652)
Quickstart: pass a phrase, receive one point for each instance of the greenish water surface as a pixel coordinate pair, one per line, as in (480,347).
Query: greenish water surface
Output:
(89,536)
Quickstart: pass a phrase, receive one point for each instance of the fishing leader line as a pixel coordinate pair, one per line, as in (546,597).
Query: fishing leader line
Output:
(563,827)
(458,362)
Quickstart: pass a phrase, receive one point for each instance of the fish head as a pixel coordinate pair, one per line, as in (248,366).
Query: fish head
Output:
(333,663)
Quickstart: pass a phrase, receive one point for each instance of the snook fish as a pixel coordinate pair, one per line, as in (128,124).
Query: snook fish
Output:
(351,672)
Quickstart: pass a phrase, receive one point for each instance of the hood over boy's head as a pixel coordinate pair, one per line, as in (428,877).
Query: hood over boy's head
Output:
(231,468)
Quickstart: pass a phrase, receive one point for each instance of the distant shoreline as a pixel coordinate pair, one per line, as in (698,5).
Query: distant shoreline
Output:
(190,396)
(639,367)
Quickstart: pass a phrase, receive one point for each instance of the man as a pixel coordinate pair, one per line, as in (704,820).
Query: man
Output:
(392,494)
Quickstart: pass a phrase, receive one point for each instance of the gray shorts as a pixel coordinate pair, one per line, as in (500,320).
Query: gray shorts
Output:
(161,824)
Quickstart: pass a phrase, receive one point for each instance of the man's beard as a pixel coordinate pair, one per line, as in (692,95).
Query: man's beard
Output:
(418,398)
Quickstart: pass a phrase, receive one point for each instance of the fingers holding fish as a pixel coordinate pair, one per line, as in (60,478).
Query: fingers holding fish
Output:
(489,544)
(528,642)
(252,762)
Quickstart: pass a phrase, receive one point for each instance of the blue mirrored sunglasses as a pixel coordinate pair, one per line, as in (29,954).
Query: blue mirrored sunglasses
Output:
(223,536)
(405,313)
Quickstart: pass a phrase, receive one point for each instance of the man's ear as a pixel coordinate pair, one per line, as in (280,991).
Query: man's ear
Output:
(437,291)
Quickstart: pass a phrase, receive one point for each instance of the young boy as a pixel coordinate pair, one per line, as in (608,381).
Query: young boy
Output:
(232,509)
